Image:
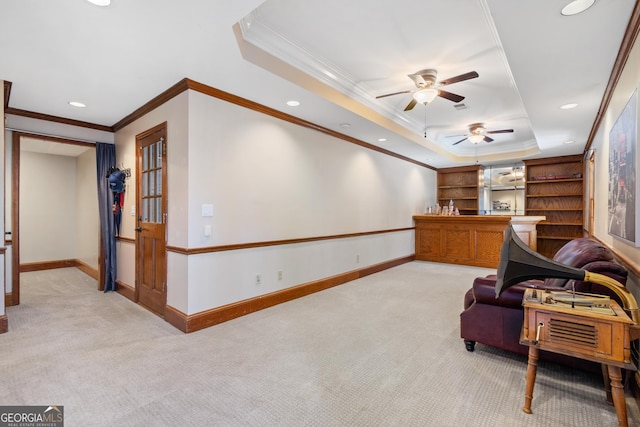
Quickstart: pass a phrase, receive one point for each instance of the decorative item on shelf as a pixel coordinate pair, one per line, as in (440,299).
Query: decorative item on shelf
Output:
(457,212)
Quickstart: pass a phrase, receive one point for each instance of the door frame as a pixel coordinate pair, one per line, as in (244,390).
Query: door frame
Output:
(16,139)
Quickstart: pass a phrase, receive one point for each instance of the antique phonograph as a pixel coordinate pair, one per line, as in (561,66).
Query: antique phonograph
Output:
(587,326)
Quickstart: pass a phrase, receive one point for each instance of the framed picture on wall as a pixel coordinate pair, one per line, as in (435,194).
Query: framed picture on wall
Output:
(622,203)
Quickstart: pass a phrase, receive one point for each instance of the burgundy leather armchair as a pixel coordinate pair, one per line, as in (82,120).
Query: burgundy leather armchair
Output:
(497,321)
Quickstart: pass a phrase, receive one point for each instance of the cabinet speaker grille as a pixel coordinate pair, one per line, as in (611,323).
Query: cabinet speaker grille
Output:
(576,333)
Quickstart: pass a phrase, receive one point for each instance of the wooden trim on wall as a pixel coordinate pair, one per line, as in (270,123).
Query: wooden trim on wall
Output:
(156,102)
(236,246)
(47,265)
(194,322)
(126,239)
(62,263)
(56,119)
(622,258)
(630,36)
(186,84)
(7,94)
(225,96)
(125,290)
(8,300)
(4,324)
(88,270)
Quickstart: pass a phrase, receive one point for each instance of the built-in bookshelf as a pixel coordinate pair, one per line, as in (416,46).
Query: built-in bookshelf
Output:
(555,188)
(462,185)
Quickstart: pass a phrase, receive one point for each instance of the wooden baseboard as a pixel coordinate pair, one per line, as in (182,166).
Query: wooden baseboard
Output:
(47,265)
(195,322)
(62,263)
(8,300)
(87,269)
(126,290)
(4,324)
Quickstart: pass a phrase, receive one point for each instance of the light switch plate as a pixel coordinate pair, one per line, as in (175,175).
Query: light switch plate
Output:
(207,210)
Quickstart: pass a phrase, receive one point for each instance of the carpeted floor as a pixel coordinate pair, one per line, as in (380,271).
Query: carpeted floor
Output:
(380,351)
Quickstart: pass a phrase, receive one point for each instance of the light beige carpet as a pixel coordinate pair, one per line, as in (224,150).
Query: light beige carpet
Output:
(380,351)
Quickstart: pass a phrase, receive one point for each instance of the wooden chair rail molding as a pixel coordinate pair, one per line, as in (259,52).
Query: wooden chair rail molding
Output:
(631,266)
(237,246)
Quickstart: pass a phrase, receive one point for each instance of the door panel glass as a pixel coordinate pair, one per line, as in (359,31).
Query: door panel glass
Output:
(145,158)
(145,210)
(158,209)
(145,186)
(159,182)
(152,156)
(152,183)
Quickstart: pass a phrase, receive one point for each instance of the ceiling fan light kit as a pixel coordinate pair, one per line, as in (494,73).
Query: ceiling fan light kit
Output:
(478,133)
(427,87)
(425,96)
(476,138)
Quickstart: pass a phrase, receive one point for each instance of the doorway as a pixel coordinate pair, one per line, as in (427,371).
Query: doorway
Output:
(50,227)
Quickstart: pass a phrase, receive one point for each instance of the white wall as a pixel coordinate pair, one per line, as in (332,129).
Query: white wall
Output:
(273,180)
(47,207)
(175,112)
(88,218)
(270,180)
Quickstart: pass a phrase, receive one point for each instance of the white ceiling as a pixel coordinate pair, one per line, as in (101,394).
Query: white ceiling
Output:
(334,57)
(45,146)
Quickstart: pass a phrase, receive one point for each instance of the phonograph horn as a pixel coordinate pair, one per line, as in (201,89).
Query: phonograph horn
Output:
(518,263)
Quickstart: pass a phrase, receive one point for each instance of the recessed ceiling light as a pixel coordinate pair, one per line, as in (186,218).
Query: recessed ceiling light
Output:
(569,106)
(345,125)
(293,103)
(382,139)
(77,104)
(100,2)
(571,141)
(577,6)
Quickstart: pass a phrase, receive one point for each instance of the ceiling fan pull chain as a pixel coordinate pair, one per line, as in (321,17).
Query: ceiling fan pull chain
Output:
(425,123)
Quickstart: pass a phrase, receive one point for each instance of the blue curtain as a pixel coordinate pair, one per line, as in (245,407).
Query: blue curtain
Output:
(105,160)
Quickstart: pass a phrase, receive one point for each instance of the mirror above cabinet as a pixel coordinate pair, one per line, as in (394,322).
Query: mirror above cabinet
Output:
(502,192)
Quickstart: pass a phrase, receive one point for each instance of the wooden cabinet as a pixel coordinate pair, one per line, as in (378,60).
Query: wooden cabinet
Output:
(468,240)
(555,188)
(462,185)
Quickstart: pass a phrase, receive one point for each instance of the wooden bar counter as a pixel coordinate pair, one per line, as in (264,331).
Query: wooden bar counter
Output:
(469,239)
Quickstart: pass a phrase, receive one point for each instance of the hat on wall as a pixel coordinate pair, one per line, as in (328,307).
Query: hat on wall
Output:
(116,181)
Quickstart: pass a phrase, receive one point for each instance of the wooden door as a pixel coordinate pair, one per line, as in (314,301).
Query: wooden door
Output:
(151,208)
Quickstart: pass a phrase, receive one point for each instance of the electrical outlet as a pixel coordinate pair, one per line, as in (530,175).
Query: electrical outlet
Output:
(258,279)
(357,258)
(280,275)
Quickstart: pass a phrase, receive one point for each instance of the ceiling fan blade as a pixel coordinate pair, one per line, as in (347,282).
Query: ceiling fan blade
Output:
(501,131)
(460,78)
(394,93)
(450,96)
(458,142)
(410,105)
(487,139)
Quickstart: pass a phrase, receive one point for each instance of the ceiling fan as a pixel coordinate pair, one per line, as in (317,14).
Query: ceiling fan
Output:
(427,84)
(478,133)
